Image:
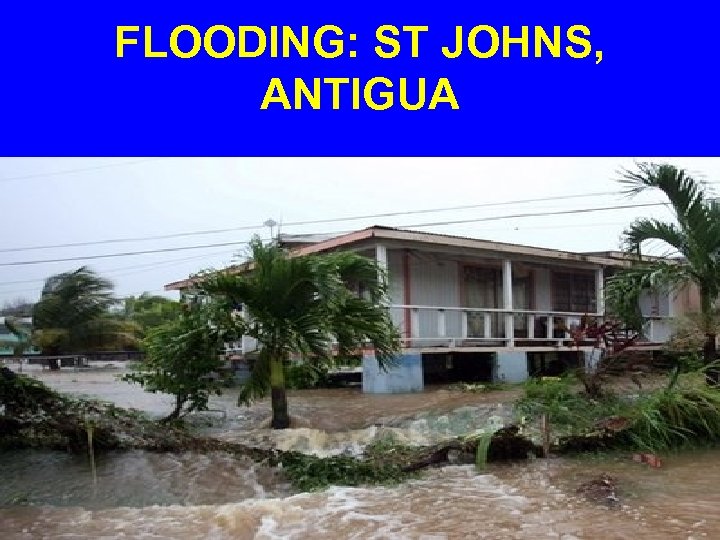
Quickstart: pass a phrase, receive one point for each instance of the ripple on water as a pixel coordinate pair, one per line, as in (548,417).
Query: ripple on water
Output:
(514,502)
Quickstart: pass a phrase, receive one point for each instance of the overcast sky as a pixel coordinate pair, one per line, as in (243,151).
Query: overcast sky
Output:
(59,201)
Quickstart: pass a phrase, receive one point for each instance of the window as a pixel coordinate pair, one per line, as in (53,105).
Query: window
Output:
(573,292)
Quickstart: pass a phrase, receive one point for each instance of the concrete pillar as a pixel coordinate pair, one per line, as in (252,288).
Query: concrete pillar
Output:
(511,367)
(600,291)
(405,377)
(508,302)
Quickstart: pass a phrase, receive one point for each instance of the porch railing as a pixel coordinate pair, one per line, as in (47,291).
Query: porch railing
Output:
(437,325)
(432,326)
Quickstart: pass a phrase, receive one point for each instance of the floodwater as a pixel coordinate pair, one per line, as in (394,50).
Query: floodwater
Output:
(188,496)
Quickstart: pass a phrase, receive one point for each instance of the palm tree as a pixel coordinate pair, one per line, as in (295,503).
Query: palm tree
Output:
(73,316)
(694,238)
(302,306)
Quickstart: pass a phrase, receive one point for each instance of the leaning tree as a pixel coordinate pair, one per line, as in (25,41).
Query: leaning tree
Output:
(73,316)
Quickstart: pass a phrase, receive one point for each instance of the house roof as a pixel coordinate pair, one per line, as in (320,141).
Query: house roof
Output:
(447,240)
(299,239)
(619,255)
(318,243)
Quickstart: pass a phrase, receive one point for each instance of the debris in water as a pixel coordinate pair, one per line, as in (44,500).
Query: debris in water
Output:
(650,459)
(601,489)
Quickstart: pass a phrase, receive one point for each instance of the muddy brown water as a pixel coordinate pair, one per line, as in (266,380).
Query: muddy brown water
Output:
(189,496)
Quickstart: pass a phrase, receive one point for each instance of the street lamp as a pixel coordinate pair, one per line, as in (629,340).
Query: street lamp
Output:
(271,223)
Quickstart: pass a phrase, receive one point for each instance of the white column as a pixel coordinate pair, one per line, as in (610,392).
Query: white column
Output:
(381,256)
(508,302)
(600,291)
(382,262)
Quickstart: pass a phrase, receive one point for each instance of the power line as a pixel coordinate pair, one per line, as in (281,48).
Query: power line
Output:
(575,225)
(123,254)
(134,269)
(529,214)
(74,171)
(419,225)
(155,265)
(301,223)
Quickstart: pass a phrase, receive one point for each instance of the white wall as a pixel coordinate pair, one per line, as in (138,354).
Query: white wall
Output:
(655,304)
(433,282)
(543,289)
(396,287)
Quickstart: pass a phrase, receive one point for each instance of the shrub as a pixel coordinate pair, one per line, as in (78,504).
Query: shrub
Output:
(568,411)
(687,413)
(310,473)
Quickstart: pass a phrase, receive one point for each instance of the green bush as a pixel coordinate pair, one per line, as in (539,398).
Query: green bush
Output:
(310,473)
(568,411)
(554,397)
(688,413)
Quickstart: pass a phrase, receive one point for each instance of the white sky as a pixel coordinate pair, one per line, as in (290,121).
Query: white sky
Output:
(53,201)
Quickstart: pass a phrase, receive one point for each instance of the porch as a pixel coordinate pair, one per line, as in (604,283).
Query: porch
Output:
(488,329)
(496,299)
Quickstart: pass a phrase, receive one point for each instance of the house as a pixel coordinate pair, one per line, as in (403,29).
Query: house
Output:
(477,310)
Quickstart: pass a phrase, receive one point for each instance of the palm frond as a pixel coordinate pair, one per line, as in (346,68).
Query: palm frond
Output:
(643,230)
(258,385)
(684,193)
(361,323)
(623,290)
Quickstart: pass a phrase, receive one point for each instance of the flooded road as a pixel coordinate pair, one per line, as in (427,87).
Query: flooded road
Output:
(141,495)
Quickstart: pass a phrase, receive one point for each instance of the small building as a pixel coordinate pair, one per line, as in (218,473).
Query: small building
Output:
(477,310)
(8,340)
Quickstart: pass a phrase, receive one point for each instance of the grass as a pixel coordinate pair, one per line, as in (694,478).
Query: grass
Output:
(569,411)
(684,413)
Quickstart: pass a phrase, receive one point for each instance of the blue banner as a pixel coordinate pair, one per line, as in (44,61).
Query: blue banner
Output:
(223,78)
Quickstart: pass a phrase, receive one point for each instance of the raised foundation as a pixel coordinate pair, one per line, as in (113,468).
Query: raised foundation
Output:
(511,367)
(404,377)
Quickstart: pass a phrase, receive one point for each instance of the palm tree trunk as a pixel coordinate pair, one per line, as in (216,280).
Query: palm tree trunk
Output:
(280,418)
